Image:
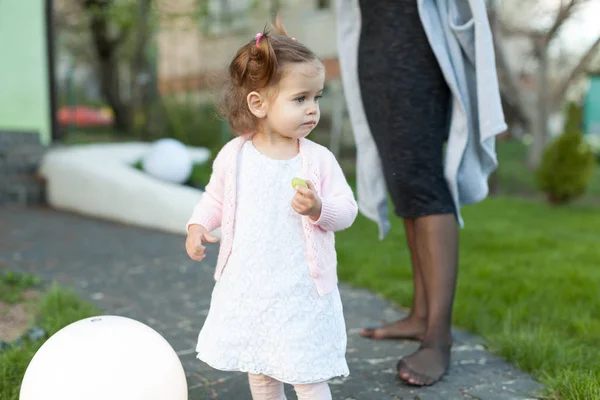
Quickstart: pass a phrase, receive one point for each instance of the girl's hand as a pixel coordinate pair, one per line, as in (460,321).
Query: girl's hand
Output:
(193,244)
(307,201)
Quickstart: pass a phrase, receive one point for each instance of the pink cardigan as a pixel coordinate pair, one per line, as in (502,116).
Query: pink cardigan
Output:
(339,209)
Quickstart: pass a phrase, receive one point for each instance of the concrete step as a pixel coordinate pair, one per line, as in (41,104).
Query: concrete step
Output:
(22,158)
(22,189)
(8,138)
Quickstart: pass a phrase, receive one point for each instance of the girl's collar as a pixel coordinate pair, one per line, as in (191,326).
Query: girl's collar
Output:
(301,141)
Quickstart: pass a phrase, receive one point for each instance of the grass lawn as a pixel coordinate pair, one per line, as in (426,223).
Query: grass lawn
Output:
(56,308)
(528,283)
(13,285)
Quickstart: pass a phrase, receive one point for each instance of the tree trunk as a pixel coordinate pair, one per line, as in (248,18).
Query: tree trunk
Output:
(540,125)
(538,145)
(108,66)
(109,84)
(140,67)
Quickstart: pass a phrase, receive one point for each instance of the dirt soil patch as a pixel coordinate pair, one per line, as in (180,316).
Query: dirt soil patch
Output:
(16,318)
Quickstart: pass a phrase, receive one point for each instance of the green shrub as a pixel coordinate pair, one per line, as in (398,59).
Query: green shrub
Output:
(201,174)
(567,164)
(192,123)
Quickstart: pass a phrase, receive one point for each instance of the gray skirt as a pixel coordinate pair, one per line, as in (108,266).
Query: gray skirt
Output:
(407,104)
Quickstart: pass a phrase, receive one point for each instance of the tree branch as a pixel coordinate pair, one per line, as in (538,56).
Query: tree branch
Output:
(579,68)
(142,36)
(564,12)
(543,37)
(510,88)
(511,31)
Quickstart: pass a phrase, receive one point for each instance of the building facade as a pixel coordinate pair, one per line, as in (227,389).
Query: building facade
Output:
(190,52)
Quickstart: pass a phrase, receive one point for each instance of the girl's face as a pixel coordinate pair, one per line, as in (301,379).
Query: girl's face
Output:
(293,111)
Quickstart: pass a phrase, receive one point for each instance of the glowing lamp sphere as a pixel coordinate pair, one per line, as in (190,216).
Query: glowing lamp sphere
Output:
(102,358)
(168,160)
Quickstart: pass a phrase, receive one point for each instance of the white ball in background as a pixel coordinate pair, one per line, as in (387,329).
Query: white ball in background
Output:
(105,357)
(168,160)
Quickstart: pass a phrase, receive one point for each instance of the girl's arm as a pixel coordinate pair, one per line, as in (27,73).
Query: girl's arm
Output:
(209,210)
(338,206)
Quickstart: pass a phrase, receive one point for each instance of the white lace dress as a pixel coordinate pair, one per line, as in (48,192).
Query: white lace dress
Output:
(266,316)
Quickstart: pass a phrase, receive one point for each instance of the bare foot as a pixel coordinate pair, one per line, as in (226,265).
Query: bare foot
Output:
(426,366)
(409,328)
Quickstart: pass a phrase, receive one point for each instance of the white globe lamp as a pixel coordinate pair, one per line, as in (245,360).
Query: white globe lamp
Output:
(102,358)
(168,160)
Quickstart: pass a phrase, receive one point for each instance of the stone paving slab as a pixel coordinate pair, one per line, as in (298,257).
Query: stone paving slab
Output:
(147,276)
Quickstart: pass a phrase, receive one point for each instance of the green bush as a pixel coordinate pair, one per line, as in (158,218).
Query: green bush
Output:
(201,173)
(567,164)
(190,122)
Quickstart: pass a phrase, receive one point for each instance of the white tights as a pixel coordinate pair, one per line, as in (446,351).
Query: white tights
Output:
(264,387)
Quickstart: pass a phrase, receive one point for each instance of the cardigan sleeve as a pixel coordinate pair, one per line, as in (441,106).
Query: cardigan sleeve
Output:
(338,206)
(209,210)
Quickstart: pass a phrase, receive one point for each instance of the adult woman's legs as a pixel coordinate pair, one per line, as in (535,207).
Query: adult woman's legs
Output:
(407,103)
(415,324)
(437,249)
(434,250)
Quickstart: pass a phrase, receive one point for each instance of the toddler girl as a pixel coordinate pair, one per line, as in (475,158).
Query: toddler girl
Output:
(275,311)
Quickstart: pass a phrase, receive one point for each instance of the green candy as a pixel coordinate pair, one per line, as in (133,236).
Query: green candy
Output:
(299,182)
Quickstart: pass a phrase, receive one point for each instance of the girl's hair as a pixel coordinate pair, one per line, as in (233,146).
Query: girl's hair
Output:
(256,65)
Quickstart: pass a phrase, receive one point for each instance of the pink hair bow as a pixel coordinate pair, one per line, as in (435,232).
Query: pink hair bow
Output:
(258,36)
